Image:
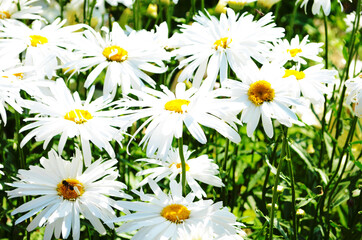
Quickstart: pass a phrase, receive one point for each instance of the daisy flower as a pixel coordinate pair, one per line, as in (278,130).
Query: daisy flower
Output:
(162,216)
(311,82)
(295,51)
(212,45)
(354,94)
(9,9)
(65,192)
(125,57)
(66,114)
(9,95)
(42,46)
(201,169)
(349,20)
(168,112)
(317,5)
(263,94)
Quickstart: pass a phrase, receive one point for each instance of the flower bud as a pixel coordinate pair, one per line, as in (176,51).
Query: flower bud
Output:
(300,213)
(152,10)
(267,3)
(269,206)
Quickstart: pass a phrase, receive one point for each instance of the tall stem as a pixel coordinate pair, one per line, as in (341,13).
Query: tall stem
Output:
(183,165)
(291,24)
(290,167)
(276,181)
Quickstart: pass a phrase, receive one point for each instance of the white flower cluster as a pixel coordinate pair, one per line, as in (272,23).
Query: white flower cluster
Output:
(271,81)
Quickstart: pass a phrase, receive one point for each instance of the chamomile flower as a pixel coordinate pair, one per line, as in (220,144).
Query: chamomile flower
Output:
(168,112)
(263,94)
(295,51)
(125,57)
(42,46)
(212,45)
(200,169)
(9,9)
(325,5)
(65,192)
(162,216)
(9,95)
(354,94)
(66,114)
(311,82)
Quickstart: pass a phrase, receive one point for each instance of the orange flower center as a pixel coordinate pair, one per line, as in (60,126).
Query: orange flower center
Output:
(179,165)
(115,53)
(70,189)
(222,43)
(37,39)
(4,15)
(176,105)
(293,52)
(298,74)
(175,213)
(260,92)
(78,116)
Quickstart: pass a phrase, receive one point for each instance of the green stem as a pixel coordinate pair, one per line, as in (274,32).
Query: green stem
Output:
(85,3)
(326,40)
(183,165)
(344,150)
(292,20)
(276,181)
(224,164)
(290,167)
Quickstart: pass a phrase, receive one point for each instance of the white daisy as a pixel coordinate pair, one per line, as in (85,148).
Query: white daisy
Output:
(64,192)
(9,9)
(295,51)
(317,5)
(349,20)
(168,112)
(162,216)
(263,94)
(354,94)
(212,45)
(42,46)
(66,114)
(125,57)
(201,169)
(9,95)
(311,82)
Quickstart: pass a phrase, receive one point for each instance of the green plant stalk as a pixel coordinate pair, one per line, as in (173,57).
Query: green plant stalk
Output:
(290,167)
(276,181)
(85,4)
(183,165)
(292,21)
(272,157)
(202,5)
(348,140)
(326,39)
(93,4)
(226,179)
(345,77)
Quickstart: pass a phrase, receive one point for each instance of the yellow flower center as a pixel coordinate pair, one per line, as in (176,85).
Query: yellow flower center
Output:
(179,165)
(175,213)
(78,116)
(260,92)
(294,52)
(298,74)
(19,75)
(115,53)
(4,15)
(37,39)
(70,189)
(176,105)
(222,42)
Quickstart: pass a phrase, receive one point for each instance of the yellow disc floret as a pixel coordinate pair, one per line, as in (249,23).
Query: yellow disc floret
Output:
(176,105)
(175,213)
(70,189)
(4,15)
(222,43)
(179,165)
(298,74)
(37,39)
(260,92)
(115,53)
(78,116)
(293,52)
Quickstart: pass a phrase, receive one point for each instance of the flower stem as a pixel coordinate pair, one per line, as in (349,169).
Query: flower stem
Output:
(290,167)
(291,24)
(276,181)
(183,165)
